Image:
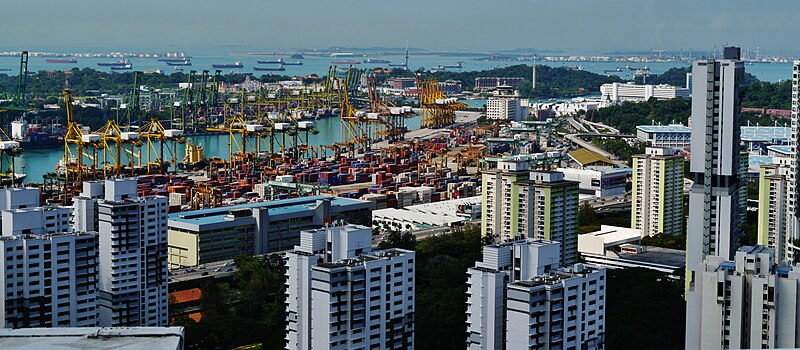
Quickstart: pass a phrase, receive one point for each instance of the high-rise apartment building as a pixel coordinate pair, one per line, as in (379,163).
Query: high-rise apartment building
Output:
(773,211)
(521,203)
(132,251)
(343,295)
(486,286)
(562,309)
(715,203)
(747,303)
(657,192)
(49,274)
(792,206)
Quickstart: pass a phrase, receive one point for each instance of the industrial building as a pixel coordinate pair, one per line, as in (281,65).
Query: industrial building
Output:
(208,235)
(343,295)
(625,92)
(49,273)
(746,303)
(522,203)
(449,213)
(657,192)
(716,199)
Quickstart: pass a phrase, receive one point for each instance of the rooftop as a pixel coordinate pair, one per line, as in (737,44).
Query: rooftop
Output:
(285,206)
(585,156)
(117,338)
(780,149)
(765,133)
(678,128)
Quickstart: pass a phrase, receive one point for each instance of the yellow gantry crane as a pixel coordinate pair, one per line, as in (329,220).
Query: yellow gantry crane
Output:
(113,140)
(437,109)
(157,138)
(75,172)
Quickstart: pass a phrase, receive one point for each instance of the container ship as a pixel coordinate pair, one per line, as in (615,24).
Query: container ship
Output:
(278,61)
(32,136)
(112,64)
(236,64)
(277,69)
(184,62)
(376,60)
(298,63)
(62,60)
(122,67)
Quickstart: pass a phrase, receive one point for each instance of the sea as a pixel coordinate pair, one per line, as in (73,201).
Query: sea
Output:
(36,163)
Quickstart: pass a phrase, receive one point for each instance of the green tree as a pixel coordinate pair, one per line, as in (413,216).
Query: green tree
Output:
(586,215)
(395,239)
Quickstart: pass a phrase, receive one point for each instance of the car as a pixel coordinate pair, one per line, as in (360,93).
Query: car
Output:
(191,270)
(205,273)
(229,269)
(218,269)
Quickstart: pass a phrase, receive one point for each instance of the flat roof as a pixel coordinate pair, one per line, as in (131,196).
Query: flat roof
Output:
(117,338)
(754,162)
(615,235)
(416,217)
(658,255)
(284,206)
(765,133)
(585,156)
(677,128)
(780,149)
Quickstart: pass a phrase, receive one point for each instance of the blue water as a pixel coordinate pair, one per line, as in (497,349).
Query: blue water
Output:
(37,162)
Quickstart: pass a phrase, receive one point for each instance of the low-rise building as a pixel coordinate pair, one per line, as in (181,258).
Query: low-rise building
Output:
(483,84)
(603,182)
(505,104)
(202,236)
(675,136)
(621,92)
(110,338)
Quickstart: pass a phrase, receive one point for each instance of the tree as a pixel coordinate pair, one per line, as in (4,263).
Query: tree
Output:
(586,215)
(395,239)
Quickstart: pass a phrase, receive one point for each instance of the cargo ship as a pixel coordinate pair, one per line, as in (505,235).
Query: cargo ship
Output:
(236,64)
(278,69)
(345,62)
(112,64)
(376,60)
(62,60)
(298,63)
(32,136)
(451,66)
(184,62)
(122,67)
(174,59)
(278,61)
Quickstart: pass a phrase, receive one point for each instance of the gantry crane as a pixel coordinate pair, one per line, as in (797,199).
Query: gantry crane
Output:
(437,109)
(157,138)
(113,140)
(75,172)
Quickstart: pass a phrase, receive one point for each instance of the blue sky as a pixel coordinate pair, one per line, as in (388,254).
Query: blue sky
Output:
(432,24)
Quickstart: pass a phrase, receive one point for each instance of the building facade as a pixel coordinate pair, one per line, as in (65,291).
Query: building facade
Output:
(657,192)
(747,303)
(675,136)
(132,252)
(342,295)
(490,83)
(715,199)
(203,236)
(562,309)
(486,286)
(773,211)
(505,104)
(520,203)
(793,207)
(622,92)
(49,272)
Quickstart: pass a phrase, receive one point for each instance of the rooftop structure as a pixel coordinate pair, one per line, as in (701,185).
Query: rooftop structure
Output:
(151,338)
(585,158)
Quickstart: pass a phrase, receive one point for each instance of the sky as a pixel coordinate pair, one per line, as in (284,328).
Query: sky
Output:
(576,25)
